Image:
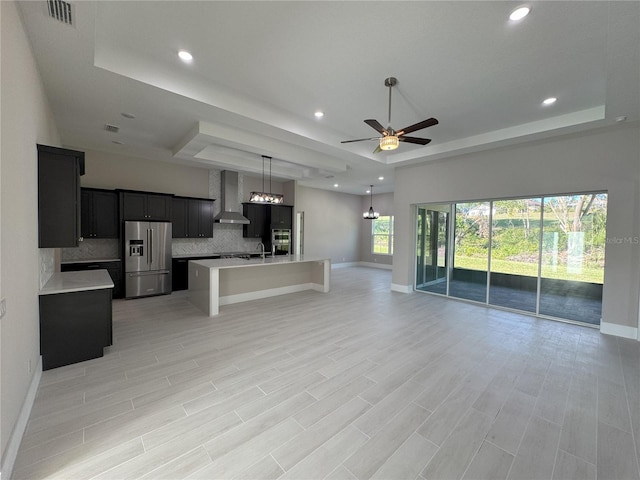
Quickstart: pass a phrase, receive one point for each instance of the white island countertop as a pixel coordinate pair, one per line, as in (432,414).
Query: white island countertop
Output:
(252,262)
(68,282)
(214,283)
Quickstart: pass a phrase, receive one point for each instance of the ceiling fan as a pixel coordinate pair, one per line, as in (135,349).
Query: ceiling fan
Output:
(390,138)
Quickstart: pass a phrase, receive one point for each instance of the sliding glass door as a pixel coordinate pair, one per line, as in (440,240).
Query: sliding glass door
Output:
(432,251)
(471,251)
(542,255)
(515,253)
(573,257)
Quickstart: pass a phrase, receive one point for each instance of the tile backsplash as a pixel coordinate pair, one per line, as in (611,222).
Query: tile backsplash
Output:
(226,238)
(92,249)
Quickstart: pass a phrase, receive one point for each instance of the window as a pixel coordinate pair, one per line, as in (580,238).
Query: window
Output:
(382,235)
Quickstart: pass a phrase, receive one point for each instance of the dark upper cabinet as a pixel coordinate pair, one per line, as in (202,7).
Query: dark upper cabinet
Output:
(59,211)
(146,206)
(192,217)
(265,218)
(257,215)
(281,216)
(99,213)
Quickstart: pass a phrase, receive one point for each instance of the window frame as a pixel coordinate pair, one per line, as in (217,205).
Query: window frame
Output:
(389,236)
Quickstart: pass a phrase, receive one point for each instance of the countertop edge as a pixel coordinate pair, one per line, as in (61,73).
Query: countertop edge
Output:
(257,262)
(70,282)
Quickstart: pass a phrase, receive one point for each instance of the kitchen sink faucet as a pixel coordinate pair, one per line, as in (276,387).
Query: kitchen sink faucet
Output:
(261,247)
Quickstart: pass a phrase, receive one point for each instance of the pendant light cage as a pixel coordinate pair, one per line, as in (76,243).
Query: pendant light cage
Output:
(266,197)
(371,214)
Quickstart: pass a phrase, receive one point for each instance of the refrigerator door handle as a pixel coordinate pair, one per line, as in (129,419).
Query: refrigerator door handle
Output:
(144,274)
(150,243)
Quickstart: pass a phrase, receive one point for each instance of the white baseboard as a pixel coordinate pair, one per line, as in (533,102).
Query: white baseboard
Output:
(401,288)
(344,264)
(375,265)
(619,330)
(11,452)
(271,292)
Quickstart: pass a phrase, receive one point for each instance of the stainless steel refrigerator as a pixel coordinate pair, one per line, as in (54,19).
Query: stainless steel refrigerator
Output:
(147,255)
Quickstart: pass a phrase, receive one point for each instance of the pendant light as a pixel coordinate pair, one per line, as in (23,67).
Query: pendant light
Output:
(264,197)
(371,214)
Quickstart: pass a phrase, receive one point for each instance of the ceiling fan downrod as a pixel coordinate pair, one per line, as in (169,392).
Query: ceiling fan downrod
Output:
(390,82)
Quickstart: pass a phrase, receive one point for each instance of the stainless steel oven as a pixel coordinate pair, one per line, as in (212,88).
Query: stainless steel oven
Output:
(280,242)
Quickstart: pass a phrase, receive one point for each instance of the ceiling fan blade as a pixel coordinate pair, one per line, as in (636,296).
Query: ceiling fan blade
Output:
(359,140)
(419,141)
(430,122)
(377,150)
(376,126)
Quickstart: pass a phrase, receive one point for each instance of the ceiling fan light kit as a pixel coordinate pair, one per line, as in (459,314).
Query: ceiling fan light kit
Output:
(391,138)
(389,142)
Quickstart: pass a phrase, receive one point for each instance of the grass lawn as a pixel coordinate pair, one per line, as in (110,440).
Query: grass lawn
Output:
(589,274)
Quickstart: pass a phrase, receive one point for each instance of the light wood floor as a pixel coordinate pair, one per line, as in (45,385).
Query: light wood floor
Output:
(358,383)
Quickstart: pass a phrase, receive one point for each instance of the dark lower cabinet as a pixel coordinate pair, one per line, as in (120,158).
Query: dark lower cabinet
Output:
(180,274)
(114,269)
(74,327)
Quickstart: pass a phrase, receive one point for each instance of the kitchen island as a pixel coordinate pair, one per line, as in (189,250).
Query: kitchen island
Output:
(214,283)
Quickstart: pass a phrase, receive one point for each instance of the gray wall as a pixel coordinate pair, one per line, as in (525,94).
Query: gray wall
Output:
(607,159)
(383,204)
(26,120)
(109,170)
(332,223)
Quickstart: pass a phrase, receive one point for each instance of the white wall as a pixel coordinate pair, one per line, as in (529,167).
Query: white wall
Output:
(110,171)
(383,204)
(332,223)
(607,159)
(24,103)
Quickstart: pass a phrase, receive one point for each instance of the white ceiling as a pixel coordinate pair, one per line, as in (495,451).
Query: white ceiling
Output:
(261,69)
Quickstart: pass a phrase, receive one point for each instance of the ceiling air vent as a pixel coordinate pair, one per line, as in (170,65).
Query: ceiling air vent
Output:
(61,11)
(111,128)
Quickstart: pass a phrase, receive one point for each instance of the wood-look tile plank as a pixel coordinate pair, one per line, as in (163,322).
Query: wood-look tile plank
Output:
(458,450)
(326,458)
(537,452)
(570,467)
(491,462)
(509,426)
(616,455)
(313,437)
(409,460)
(373,454)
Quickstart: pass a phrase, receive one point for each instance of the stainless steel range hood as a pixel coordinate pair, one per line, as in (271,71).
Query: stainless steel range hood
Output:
(230,212)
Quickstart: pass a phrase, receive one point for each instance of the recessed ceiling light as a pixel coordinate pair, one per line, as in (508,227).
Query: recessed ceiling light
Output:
(519,13)
(319,114)
(380,178)
(621,118)
(128,115)
(549,101)
(368,191)
(185,56)
(336,185)
(117,142)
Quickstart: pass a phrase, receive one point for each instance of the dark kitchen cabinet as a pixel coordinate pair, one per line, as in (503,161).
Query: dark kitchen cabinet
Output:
(257,215)
(74,327)
(180,271)
(145,206)
(265,218)
(99,213)
(59,208)
(280,216)
(114,268)
(192,217)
